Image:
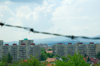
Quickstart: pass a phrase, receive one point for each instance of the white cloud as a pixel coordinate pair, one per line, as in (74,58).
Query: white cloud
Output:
(24,12)
(5,12)
(44,9)
(8,3)
(69,17)
(24,16)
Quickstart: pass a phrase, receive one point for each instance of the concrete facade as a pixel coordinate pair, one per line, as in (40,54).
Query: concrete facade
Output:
(34,50)
(59,49)
(1,47)
(21,51)
(81,48)
(97,48)
(26,41)
(90,49)
(14,52)
(70,49)
(23,54)
(6,49)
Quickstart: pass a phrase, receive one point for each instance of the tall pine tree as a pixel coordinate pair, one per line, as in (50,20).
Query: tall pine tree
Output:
(88,59)
(9,58)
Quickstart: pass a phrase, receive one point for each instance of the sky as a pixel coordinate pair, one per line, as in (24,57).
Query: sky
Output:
(67,17)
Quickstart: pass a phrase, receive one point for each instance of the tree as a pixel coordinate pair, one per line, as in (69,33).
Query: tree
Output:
(61,63)
(43,56)
(88,59)
(75,60)
(33,61)
(50,55)
(4,61)
(98,55)
(49,49)
(64,58)
(9,58)
(43,50)
(85,55)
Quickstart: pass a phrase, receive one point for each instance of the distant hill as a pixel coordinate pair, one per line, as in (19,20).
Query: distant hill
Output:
(55,40)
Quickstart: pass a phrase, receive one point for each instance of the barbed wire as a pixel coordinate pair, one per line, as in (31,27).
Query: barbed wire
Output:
(32,30)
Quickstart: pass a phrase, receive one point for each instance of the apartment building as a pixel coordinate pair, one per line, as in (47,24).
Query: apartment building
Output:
(90,49)
(59,49)
(23,54)
(26,41)
(22,51)
(80,47)
(97,48)
(43,45)
(14,52)
(70,49)
(6,50)
(34,50)
(1,46)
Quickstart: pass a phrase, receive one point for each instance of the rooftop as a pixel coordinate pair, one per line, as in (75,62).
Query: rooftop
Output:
(51,59)
(49,51)
(25,39)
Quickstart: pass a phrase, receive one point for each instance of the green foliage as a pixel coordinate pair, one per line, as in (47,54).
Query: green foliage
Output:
(33,61)
(43,56)
(57,56)
(4,59)
(50,55)
(96,64)
(9,58)
(88,59)
(43,50)
(75,60)
(64,58)
(1,64)
(85,55)
(98,55)
(49,49)
(61,63)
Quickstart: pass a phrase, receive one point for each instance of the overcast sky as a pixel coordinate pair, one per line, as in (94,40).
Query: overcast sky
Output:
(68,17)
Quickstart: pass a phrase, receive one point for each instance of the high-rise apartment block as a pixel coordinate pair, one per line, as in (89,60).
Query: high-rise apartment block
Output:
(24,50)
(14,52)
(70,49)
(81,48)
(26,42)
(97,46)
(1,46)
(5,50)
(59,49)
(34,50)
(90,49)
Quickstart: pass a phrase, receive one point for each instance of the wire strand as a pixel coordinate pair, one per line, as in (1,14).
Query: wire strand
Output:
(32,30)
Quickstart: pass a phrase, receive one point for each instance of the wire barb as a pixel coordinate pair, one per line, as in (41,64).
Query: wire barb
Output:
(31,29)
(1,24)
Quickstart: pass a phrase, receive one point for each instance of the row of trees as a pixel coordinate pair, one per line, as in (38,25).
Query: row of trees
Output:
(75,60)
